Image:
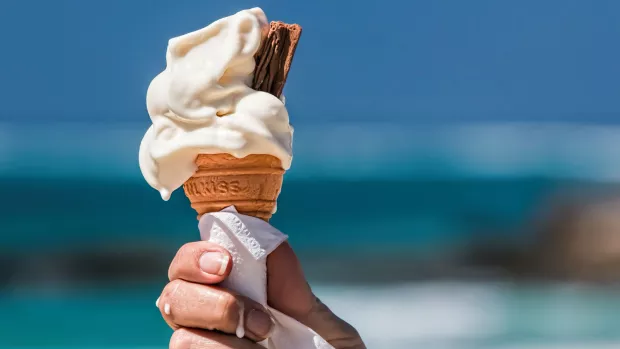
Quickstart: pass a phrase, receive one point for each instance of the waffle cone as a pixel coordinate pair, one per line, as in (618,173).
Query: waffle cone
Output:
(252,184)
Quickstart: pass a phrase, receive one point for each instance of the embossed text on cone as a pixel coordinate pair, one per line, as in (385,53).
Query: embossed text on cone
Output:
(252,184)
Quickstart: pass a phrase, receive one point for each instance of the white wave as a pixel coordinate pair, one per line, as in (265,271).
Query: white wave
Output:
(423,313)
(464,315)
(347,151)
(480,150)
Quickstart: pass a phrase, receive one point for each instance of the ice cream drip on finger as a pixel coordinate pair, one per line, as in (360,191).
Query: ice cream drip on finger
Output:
(202,103)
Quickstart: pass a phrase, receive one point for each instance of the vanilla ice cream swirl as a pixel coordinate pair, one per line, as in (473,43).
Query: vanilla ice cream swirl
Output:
(202,103)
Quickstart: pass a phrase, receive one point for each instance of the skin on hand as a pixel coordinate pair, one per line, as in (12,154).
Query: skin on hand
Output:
(205,316)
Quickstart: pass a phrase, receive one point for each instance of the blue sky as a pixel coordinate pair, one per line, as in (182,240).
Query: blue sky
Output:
(389,60)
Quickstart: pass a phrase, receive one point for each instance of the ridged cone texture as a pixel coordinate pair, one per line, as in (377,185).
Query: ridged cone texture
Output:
(252,184)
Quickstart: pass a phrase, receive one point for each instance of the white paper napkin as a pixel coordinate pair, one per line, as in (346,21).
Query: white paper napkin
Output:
(250,240)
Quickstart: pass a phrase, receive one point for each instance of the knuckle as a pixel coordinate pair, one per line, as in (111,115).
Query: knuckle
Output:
(181,339)
(179,258)
(187,249)
(171,288)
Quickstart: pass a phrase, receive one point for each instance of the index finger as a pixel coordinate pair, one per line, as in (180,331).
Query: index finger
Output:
(201,262)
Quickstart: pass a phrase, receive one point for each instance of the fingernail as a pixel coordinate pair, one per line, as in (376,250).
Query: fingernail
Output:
(157,302)
(214,263)
(259,323)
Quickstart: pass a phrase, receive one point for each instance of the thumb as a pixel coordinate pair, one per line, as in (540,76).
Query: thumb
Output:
(287,288)
(288,292)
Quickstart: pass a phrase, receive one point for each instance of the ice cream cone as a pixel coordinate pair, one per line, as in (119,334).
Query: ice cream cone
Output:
(251,184)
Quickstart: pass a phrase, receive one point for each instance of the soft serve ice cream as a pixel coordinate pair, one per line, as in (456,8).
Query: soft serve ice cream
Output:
(202,103)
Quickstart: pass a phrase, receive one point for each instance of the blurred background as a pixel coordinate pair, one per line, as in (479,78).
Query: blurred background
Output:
(455,182)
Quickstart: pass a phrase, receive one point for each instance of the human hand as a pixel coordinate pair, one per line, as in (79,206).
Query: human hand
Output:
(205,316)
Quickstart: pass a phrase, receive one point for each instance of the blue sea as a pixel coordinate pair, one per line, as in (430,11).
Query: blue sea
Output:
(379,218)
(412,315)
